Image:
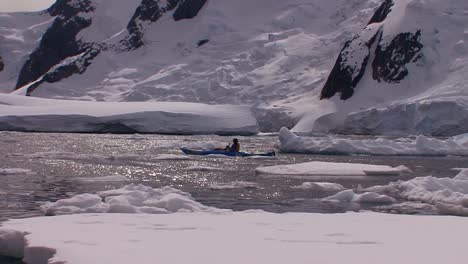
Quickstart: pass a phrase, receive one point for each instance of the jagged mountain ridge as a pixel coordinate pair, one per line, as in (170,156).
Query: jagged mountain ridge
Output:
(273,55)
(242,45)
(60,41)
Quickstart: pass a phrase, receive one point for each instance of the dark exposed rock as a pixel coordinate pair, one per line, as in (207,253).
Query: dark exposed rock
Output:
(59,45)
(390,60)
(76,66)
(202,42)
(382,12)
(59,42)
(148,10)
(350,65)
(2,65)
(151,11)
(188,9)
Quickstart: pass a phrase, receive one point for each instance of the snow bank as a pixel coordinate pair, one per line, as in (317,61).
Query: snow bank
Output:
(367,197)
(318,168)
(320,186)
(234,185)
(257,237)
(420,146)
(20,113)
(129,199)
(450,196)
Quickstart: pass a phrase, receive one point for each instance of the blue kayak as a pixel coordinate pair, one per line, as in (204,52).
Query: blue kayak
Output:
(225,152)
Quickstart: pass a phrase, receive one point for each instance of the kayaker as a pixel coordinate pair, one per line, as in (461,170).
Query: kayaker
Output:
(235,147)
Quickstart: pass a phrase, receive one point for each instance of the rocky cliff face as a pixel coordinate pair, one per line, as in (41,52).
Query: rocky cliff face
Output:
(389,57)
(2,65)
(63,53)
(150,11)
(59,42)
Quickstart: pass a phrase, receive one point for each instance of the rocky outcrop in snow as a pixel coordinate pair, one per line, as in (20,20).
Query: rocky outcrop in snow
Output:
(150,11)
(391,59)
(2,65)
(59,42)
(390,56)
(63,51)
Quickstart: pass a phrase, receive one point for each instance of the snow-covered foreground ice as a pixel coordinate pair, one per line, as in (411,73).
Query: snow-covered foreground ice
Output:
(20,113)
(329,169)
(245,237)
(420,146)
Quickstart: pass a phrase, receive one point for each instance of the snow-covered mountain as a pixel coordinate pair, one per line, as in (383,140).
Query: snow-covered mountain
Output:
(275,55)
(404,72)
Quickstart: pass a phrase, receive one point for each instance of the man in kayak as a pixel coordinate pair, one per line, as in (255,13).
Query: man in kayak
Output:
(235,147)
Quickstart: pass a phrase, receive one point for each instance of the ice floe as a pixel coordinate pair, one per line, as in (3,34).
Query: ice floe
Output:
(329,169)
(367,197)
(14,171)
(320,186)
(449,195)
(419,146)
(256,236)
(128,199)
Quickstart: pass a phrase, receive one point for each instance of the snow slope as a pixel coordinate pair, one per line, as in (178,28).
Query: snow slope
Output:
(22,113)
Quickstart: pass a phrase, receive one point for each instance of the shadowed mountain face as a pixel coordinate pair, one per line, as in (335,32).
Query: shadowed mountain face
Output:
(389,59)
(1,64)
(59,42)
(62,53)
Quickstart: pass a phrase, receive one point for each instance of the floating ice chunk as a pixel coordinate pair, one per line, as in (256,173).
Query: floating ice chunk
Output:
(12,243)
(420,146)
(462,175)
(367,197)
(14,171)
(317,168)
(234,185)
(110,178)
(449,195)
(129,199)
(320,186)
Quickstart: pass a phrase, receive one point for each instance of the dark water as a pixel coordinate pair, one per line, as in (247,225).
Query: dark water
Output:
(56,160)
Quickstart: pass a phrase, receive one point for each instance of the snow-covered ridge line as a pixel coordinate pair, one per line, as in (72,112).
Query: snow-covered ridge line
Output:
(420,146)
(19,113)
